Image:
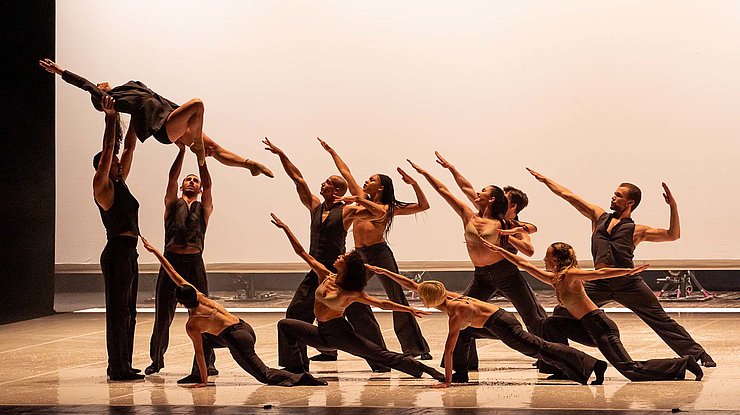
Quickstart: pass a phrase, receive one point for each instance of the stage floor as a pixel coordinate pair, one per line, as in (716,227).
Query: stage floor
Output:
(57,365)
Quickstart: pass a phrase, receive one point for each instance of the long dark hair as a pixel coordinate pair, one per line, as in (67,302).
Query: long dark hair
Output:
(497,210)
(355,275)
(388,197)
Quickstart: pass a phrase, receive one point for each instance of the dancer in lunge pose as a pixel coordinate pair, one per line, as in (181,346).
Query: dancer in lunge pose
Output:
(613,240)
(119,211)
(471,318)
(185,222)
(562,273)
(369,236)
(330,220)
(210,322)
(152,114)
(336,291)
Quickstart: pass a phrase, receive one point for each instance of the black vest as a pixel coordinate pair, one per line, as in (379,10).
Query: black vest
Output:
(616,249)
(185,225)
(123,216)
(327,237)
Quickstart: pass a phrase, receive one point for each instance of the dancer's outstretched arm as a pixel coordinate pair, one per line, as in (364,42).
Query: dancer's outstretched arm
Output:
(354,188)
(102,185)
(321,271)
(308,199)
(400,279)
(604,273)
(648,234)
(365,298)
(519,239)
(127,155)
(421,204)
(169,269)
(462,209)
(170,194)
(72,78)
(589,210)
(540,274)
(461,181)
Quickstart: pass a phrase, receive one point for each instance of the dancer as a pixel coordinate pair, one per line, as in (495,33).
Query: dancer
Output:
(334,294)
(152,114)
(369,236)
(562,273)
(330,220)
(119,211)
(185,222)
(493,274)
(470,318)
(209,322)
(614,238)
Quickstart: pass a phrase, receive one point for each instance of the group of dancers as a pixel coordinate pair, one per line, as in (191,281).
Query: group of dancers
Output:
(332,293)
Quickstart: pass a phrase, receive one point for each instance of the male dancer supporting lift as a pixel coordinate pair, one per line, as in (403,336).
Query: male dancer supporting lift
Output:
(185,222)
(613,240)
(369,236)
(330,220)
(119,211)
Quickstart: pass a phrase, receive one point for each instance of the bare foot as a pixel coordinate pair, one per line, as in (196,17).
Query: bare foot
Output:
(257,168)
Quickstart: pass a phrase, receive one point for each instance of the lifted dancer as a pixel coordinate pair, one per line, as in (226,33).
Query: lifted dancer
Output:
(209,322)
(562,273)
(334,294)
(330,220)
(152,114)
(119,211)
(369,236)
(613,240)
(470,318)
(185,222)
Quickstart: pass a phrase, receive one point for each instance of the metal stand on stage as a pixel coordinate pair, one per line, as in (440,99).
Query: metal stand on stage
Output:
(682,286)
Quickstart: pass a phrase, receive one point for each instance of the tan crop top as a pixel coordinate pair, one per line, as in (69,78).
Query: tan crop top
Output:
(327,293)
(567,297)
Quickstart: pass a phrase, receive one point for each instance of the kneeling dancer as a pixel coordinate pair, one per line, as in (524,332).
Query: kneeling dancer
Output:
(210,321)
(334,293)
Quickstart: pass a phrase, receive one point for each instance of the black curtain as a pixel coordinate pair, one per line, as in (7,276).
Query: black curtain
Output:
(27,169)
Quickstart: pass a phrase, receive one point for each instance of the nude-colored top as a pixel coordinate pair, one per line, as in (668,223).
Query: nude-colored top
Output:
(570,294)
(487,229)
(328,294)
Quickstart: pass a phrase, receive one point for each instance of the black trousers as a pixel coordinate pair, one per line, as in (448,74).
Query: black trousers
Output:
(339,334)
(604,334)
(404,324)
(301,308)
(633,293)
(504,278)
(192,268)
(118,262)
(239,338)
(502,325)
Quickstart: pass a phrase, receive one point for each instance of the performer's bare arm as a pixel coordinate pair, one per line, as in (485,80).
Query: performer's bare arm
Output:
(540,274)
(206,187)
(462,209)
(421,204)
(604,273)
(400,279)
(127,155)
(169,269)
(591,211)
(365,298)
(321,271)
(196,337)
(453,332)
(102,185)
(519,238)
(170,195)
(308,199)
(354,188)
(461,181)
(648,234)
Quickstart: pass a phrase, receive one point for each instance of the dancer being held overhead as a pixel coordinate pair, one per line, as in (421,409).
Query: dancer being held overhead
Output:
(336,291)
(471,318)
(208,321)
(562,273)
(614,237)
(152,114)
(370,239)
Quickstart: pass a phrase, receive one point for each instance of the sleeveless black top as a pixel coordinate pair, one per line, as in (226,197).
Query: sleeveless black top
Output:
(123,215)
(185,225)
(615,249)
(327,237)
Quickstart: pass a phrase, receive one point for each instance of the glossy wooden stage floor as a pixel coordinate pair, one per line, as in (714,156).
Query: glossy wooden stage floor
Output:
(57,365)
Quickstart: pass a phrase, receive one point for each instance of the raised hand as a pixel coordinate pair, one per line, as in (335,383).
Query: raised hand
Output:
(149,247)
(513,231)
(405,177)
(108,102)
(536,175)
(272,148)
(375,270)
(667,195)
(491,246)
(639,269)
(419,313)
(326,146)
(442,162)
(51,66)
(416,167)
(277,222)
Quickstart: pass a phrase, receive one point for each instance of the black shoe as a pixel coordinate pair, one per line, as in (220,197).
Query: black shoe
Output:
(321,357)
(308,380)
(706,360)
(599,369)
(460,377)
(212,371)
(127,377)
(558,376)
(135,370)
(191,378)
(425,356)
(694,367)
(381,369)
(152,369)
(295,369)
